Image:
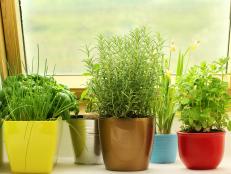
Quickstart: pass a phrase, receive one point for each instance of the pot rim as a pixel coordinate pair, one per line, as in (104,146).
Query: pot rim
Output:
(165,135)
(85,116)
(90,119)
(201,133)
(36,121)
(116,118)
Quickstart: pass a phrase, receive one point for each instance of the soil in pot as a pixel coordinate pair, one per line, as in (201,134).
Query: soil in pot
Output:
(126,143)
(201,151)
(164,148)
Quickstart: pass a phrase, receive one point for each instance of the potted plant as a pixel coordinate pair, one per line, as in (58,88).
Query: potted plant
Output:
(32,105)
(203,100)
(165,142)
(85,133)
(125,74)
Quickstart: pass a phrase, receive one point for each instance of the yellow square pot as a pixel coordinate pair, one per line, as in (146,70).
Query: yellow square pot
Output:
(31,145)
(1,146)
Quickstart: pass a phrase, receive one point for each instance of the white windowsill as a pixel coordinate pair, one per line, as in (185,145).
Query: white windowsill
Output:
(74,82)
(66,166)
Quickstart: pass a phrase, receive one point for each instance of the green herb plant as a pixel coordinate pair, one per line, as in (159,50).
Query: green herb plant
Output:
(125,74)
(35,97)
(166,104)
(89,100)
(203,98)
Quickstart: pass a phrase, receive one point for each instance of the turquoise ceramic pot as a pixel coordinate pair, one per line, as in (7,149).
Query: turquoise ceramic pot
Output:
(164,148)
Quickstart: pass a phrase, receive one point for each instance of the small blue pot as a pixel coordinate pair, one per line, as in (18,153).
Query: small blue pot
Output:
(164,148)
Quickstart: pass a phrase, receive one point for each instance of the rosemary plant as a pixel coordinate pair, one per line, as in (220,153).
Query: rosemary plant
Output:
(125,74)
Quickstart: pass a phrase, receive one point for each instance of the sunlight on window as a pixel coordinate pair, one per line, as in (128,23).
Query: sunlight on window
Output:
(63,27)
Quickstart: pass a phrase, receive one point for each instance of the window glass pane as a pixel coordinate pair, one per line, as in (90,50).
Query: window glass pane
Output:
(63,27)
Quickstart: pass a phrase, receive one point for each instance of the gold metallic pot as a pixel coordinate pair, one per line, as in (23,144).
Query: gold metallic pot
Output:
(126,143)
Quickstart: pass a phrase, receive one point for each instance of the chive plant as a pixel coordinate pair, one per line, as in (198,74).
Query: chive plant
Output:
(126,73)
(35,97)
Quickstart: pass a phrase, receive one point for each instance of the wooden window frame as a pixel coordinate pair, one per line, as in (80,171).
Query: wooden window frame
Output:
(12,36)
(77,84)
(4,72)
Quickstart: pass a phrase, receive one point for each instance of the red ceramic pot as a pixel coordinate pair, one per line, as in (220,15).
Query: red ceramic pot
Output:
(201,151)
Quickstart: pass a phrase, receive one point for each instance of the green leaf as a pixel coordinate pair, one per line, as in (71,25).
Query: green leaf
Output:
(184,101)
(229,126)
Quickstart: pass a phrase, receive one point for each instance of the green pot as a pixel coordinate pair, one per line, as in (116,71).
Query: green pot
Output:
(85,140)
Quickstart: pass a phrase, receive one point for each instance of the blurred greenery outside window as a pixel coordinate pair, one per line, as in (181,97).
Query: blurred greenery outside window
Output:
(61,28)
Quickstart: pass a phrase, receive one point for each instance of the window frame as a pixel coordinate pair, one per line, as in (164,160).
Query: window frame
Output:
(4,72)
(12,47)
(13,37)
